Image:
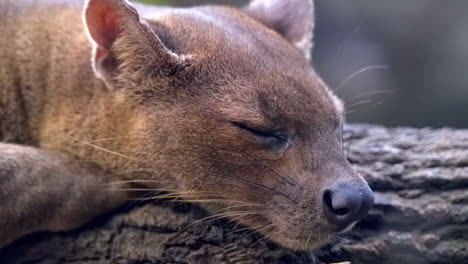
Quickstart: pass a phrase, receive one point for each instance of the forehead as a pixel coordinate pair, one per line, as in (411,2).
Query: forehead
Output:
(283,99)
(251,69)
(217,34)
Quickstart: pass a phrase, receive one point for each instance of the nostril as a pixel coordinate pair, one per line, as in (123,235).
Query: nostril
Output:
(327,198)
(341,211)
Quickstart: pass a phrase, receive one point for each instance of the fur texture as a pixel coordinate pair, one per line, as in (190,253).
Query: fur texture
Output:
(209,103)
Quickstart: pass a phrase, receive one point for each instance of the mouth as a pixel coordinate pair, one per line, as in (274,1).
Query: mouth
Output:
(304,241)
(310,241)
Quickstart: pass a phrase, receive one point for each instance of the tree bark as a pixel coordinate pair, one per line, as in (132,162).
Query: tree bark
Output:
(420,179)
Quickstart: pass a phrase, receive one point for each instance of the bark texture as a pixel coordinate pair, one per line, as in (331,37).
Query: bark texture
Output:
(420,178)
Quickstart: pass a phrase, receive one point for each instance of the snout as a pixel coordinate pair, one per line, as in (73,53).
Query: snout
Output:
(345,203)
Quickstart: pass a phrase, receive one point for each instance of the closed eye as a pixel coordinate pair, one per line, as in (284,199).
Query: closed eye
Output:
(271,137)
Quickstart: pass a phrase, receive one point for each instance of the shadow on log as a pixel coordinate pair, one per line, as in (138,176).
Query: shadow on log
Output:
(420,178)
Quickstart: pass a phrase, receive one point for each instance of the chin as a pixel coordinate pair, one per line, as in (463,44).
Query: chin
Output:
(303,243)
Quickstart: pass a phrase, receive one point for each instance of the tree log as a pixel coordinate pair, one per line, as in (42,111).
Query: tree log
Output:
(420,179)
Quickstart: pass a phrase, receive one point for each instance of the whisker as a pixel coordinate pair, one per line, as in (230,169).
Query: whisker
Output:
(239,230)
(136,202)
(170,196)
(169,191)
(188,196)
(359,103)
(372,93)
(241,204)
(194,199)
(374,105)
(253,231)
(355,74)
(349,145)
(308,239)
(219,216)
(134,190)
(203,200)
(363,102)
(319,238)
(238,218)
(107,150)
(271,169)
(262,237)
(272,235)
(108,139)
(224,214)
(133,181)
(344,42)
(290,243)
(304,163)
(261,186)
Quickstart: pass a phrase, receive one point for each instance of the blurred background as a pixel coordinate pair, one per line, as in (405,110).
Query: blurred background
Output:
(397,63)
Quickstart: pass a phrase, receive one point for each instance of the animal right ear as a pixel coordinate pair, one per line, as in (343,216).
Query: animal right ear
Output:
(293,19)
(122,42)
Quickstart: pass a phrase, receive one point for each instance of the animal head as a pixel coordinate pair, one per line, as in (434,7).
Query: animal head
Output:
(227,106)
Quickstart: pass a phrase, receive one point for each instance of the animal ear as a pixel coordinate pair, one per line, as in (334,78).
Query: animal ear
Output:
(121,42)
(293,19)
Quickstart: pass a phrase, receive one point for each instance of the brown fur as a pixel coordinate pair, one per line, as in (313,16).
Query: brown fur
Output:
(157,104)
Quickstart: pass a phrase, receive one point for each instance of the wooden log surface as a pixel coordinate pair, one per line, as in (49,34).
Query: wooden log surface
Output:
(420,178)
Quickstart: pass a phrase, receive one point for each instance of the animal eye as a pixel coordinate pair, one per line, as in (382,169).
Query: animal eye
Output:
(270,137)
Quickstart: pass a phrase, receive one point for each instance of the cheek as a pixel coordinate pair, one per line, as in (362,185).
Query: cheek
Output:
(298,219)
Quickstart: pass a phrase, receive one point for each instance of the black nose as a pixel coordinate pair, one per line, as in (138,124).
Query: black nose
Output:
(345,204)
